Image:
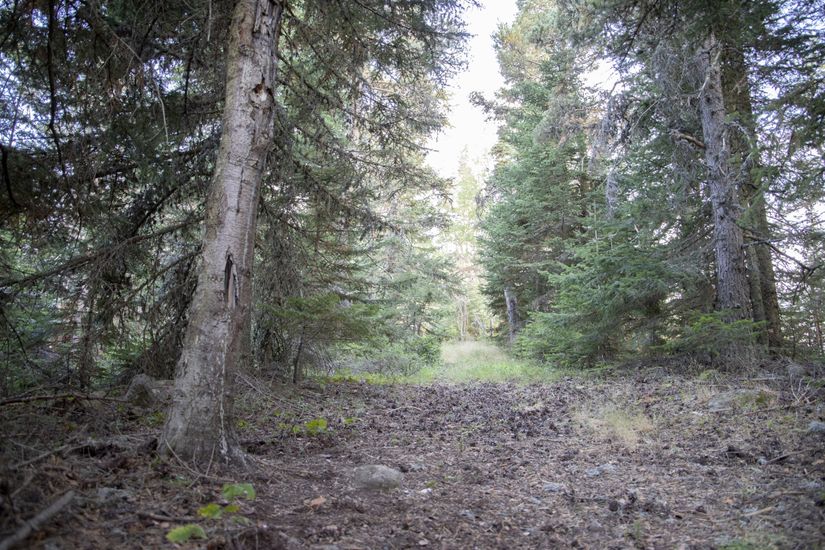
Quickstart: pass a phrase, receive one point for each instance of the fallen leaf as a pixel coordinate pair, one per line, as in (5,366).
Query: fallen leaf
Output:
(317,502)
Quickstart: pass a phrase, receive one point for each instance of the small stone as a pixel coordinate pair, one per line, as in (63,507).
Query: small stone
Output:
(423,542)
(290,543)
(816,427)
(609,468)
(603,469)
(377,477)
(553,487)
(594,526)
(657,506)
(108,495)
(812,485)
(614,505)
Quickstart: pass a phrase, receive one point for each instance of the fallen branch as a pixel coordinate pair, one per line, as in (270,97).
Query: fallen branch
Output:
(757,512)
(170,519)
(786,455)
(39,457)
(34,524)
(58,396)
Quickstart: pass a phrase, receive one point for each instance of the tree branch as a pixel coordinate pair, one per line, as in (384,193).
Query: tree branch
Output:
(34,524)
(78,261)
(677,135)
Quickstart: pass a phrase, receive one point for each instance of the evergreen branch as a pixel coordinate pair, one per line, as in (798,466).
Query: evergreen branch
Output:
(83,259)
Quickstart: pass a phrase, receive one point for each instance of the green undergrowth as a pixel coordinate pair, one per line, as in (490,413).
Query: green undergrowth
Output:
(462,362)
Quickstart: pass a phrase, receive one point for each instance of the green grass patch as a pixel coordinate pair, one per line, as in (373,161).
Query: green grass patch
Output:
(460,363)
(484,362)
(373,378)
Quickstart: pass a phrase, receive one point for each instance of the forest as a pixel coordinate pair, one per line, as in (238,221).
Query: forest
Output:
(240,308)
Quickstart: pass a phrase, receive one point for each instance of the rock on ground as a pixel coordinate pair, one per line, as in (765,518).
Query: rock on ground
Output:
(377,477)
(816,427)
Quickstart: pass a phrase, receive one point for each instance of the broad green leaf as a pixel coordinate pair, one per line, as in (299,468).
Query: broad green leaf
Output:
(231,491)
(211,511)
(186,532)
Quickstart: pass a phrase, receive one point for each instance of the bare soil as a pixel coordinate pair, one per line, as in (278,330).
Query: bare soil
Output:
(648,460)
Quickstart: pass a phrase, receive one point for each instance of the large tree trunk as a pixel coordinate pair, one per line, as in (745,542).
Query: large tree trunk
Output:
(762,278)
(732,295)
(198,427)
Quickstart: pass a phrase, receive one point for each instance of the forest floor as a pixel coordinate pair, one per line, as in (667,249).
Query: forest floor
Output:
(647,458)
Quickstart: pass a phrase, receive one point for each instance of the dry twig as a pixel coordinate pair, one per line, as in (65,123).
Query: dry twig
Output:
(161,517)
(34,524)
(39,457)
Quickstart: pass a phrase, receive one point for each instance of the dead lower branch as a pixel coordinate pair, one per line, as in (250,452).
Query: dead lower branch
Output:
(78,396)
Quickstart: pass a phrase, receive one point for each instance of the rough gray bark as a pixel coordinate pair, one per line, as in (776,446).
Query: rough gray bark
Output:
(755,289)
(762,278)
(198,427)
(513,320)
(732,294)
(767,275)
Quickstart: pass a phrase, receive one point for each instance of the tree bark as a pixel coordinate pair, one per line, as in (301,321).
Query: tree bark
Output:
(762,278)
(462,319)
(198,427)
(732,296)
(513,320)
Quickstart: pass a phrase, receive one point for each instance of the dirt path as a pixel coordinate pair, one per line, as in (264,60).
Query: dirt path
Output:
(641,462)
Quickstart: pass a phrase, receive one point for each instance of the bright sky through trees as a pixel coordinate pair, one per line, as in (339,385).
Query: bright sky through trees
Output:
(468,125)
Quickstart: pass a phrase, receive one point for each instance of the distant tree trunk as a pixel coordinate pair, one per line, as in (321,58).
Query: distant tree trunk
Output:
(513,320)
(598,152)
(462,319)
(762,278)
(296,363)
(732,294)
(198,427)
(88,341)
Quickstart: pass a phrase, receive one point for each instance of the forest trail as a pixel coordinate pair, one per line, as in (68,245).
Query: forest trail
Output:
(648,460)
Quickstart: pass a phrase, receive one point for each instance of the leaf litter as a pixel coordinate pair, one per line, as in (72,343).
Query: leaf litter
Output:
(629,460)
